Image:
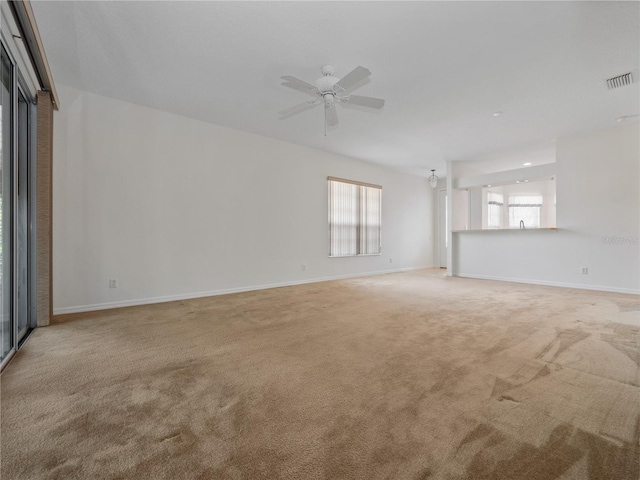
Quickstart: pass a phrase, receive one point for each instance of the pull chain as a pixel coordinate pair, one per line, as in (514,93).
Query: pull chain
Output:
(325,120)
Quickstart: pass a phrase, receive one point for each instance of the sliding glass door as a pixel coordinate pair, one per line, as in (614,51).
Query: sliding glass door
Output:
(16,206)
(7,337)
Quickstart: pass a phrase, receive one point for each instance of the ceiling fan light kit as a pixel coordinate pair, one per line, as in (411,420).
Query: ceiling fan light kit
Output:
(330,89)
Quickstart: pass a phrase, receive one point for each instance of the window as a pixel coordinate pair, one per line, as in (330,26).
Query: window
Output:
(354,218)
(494,210)
(526,209)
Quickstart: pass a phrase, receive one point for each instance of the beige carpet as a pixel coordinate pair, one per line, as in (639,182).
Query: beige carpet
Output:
(400,376)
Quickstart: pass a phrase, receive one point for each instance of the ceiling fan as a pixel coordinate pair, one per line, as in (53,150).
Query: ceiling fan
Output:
(330,90)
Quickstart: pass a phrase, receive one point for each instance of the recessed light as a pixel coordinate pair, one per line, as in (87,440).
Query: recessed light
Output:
(497,114)
(526,164)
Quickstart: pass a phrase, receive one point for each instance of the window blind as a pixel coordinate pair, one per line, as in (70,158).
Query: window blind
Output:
(355,213)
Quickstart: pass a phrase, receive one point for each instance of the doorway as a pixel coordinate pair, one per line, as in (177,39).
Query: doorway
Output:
(443,228)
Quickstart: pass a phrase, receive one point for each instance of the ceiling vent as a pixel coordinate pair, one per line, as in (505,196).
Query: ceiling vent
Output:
(621,80)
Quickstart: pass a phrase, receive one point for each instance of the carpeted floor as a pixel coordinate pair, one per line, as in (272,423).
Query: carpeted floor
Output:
(399,376)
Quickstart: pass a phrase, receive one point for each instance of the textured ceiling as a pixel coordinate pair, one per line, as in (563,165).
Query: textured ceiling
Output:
(442,67)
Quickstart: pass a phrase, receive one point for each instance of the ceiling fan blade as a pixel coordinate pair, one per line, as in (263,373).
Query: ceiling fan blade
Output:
(332,115)
(370,102)
(301,85)
(301,107)
(352,78)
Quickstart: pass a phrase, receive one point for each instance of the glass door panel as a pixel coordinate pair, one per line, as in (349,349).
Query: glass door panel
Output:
(6,91)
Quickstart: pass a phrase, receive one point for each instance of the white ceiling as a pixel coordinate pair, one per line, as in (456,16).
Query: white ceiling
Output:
(442,67)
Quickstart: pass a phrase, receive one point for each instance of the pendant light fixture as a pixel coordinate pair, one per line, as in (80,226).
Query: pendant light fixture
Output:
(433,179)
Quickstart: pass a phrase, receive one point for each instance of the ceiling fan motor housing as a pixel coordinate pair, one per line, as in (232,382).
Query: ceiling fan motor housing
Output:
(326,83)
(327,70)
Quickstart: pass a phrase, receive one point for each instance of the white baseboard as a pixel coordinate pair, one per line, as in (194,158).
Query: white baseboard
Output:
(551,284)
(212,293)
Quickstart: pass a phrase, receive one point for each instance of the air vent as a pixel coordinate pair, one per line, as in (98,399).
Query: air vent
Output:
(620,81)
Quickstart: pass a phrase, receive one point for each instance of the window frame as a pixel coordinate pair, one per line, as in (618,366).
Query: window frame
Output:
(362,217)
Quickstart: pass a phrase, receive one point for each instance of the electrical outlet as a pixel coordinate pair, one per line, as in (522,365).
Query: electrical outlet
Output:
(304,267)
(584,271)
(113,283)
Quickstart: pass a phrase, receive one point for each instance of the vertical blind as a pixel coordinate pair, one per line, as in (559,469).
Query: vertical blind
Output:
(354,218)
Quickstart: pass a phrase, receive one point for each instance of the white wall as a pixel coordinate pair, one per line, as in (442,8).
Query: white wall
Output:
(460,209)
(598,219)
(173,208)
